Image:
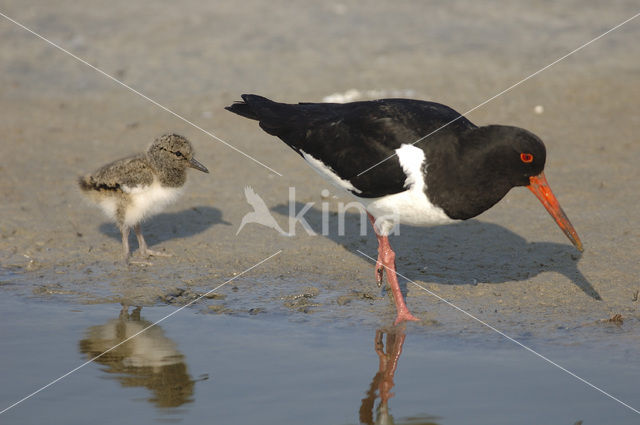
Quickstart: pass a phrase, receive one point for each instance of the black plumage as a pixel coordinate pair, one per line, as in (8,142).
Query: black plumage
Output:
(470,168)
(409,161)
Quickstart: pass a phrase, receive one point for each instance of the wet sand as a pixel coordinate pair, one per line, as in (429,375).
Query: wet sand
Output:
(511,266)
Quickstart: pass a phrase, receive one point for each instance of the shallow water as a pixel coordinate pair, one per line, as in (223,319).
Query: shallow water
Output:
(206,368)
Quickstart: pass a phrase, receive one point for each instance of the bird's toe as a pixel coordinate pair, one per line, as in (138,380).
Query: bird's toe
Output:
(152,253)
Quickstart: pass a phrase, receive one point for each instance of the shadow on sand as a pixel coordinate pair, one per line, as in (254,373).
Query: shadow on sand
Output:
(468,252)
(167,226)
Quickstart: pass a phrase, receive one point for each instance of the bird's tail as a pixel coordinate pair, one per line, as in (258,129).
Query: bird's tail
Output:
(244,107)
(89,184)
(272,115)
(86,183)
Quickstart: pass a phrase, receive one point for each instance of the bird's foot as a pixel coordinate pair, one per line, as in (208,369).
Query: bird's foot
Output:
(405,316)
(151,253)
(139,262)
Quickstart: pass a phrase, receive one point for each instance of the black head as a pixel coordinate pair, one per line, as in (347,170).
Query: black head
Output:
(487,163)
(512,153)
(174,151)
(511,156)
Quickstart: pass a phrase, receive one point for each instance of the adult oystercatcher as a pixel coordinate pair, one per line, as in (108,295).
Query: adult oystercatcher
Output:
(134,188)
(369,149)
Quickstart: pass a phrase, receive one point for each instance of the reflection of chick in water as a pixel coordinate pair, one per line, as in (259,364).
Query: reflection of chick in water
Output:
(149,360)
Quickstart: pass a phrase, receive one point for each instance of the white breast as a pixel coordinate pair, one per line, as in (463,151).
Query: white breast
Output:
(411,206)
(148,200)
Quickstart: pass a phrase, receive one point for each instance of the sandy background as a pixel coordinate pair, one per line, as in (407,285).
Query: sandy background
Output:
(511,266)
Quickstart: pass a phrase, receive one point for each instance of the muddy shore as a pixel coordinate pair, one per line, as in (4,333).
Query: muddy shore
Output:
(511,266)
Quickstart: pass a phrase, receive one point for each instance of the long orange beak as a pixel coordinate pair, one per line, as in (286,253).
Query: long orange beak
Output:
(540,187)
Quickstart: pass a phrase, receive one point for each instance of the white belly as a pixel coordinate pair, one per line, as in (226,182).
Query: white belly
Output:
(148,200)
(109,206)
(411,206)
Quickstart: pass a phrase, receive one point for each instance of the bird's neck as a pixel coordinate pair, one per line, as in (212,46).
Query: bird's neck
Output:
(461,178)
(173,177)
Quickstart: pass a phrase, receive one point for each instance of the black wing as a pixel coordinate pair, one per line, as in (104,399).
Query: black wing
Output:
(351,137)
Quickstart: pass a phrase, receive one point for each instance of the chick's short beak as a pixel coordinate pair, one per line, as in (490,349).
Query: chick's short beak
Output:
(195,164)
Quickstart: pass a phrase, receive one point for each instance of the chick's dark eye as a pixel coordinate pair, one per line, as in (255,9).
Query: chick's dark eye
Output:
(178,154)
(526,158)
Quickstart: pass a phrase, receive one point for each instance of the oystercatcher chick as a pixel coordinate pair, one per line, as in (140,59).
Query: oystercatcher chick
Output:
(368,149)
(134,188)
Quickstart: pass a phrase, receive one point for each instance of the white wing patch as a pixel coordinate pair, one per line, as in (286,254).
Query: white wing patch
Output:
(411,159)
(330,175)
(411,206)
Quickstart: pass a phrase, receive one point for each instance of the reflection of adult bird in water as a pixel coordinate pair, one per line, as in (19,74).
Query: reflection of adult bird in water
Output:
(148,360)
(382,382)
(260,213)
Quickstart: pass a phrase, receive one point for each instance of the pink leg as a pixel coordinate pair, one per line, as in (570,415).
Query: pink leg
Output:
(387,260)
(389,361)
(379,271)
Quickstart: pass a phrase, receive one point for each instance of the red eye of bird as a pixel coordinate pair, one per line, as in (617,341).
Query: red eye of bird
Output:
(526,157)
